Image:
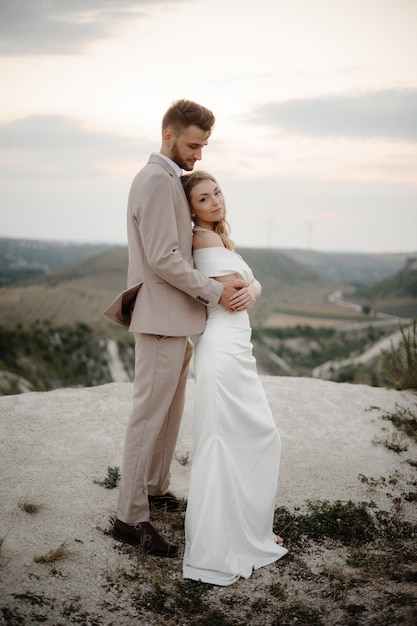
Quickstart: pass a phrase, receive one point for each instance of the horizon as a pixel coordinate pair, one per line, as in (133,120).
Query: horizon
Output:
(82,242)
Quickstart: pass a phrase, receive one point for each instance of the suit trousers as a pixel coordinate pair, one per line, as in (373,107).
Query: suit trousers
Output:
(161,371)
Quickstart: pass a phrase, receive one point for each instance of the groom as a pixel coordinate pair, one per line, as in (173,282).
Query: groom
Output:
(163,305)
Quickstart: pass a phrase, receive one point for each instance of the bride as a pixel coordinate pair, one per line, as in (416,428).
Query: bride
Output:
(234,473)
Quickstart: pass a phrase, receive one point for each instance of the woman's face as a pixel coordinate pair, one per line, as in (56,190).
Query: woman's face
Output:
(207,204)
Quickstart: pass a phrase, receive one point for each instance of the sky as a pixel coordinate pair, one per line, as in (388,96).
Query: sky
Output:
(315,141)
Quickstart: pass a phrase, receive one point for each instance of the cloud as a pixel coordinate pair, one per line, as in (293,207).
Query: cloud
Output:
(42,27)
(387,114)
(42,145)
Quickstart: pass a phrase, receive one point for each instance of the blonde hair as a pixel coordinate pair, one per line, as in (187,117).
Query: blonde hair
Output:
(222,228)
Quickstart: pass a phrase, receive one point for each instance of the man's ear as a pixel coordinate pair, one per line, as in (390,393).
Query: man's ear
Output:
(168,137)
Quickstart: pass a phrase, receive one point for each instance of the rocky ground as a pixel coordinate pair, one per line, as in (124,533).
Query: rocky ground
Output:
(346,504)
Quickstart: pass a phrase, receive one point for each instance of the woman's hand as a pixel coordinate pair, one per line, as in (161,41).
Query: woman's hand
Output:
(232,286)
(246,297)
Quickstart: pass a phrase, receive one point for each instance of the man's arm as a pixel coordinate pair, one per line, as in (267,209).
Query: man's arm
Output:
(158,224)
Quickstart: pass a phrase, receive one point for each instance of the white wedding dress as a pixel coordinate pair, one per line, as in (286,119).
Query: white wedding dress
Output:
(234,473)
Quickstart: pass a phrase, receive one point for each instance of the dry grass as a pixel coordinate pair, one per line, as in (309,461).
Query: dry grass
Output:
(349,564)
(59,554)
(29,507)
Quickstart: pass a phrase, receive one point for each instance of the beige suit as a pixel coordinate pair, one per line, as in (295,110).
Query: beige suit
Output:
(162,306)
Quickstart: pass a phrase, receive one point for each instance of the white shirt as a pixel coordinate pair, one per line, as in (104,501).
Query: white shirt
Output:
(172,163)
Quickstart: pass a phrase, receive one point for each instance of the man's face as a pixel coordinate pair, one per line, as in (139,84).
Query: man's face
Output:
(186,149)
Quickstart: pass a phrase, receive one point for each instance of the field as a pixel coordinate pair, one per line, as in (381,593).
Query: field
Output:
(76,293)
(61,304)
(327,316)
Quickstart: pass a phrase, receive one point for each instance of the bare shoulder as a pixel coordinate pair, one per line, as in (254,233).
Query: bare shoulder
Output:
(206,239)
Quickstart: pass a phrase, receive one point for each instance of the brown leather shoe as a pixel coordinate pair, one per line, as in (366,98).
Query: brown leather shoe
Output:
(144,536)
(167,502)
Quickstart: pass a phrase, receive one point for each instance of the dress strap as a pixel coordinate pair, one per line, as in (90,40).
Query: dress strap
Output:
(200,228)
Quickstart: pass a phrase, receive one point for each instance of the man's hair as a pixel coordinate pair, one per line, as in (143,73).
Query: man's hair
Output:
(184,113)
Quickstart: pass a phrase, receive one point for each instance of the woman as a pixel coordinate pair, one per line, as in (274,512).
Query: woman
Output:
(234,474)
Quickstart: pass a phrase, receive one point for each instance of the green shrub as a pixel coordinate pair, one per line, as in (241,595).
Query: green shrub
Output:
(50,356)
(399,365)
(348,522)
(111,480)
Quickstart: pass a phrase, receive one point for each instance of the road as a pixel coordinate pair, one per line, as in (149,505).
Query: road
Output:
(328,369)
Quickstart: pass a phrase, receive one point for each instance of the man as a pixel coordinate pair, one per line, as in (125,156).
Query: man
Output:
(163,305)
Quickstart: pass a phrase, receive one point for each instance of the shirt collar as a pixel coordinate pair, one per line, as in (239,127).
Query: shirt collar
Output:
(172,163)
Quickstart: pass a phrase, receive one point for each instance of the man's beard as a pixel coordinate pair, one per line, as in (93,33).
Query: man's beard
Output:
(177,158)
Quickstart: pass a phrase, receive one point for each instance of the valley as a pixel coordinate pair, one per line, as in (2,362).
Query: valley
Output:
(297,325)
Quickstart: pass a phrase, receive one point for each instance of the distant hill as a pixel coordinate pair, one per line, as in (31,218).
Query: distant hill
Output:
(395,295)
(79,292)
(350,267)
(47,255)
(76,293)
(403,284)
(21,259)
(53,332)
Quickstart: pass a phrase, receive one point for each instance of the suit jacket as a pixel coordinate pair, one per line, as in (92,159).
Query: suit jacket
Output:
(165,294)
